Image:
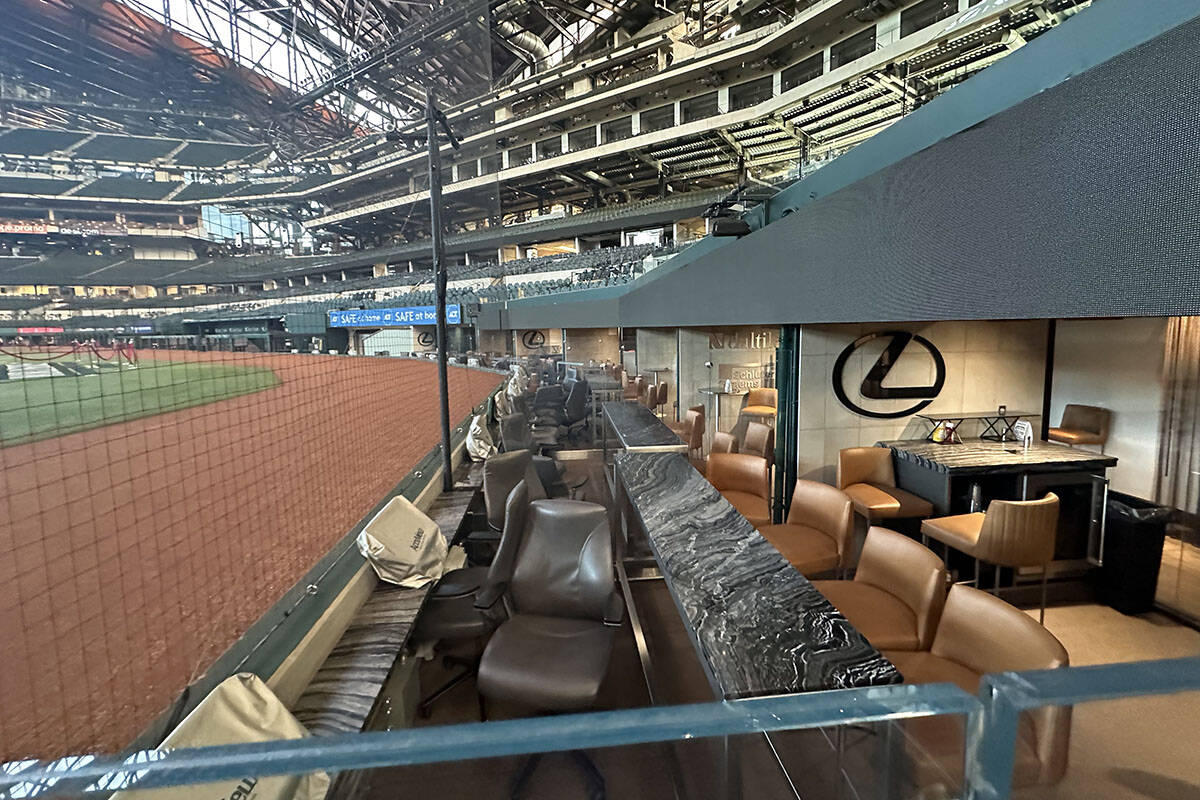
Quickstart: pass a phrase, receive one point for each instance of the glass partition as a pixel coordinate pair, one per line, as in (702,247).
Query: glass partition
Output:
(718,366)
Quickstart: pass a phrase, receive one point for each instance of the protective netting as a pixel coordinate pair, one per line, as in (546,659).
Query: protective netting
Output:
(154,503)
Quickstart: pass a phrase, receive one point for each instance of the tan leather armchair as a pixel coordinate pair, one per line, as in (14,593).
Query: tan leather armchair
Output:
(744,482)
(898,592)
(759,440)
(1082,425)
(724,443)
(820,524)
(866,474)
(1011,533)
(979,634)
(761,404)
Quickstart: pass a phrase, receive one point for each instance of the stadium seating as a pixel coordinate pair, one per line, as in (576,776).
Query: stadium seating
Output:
(37,142)
(127,149)
(11,184)
(216,154)
(128,188)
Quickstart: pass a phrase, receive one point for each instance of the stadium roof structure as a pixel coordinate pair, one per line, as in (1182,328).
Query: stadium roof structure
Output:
(969,168)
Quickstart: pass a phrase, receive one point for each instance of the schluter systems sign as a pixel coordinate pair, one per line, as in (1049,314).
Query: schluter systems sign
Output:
(872,383)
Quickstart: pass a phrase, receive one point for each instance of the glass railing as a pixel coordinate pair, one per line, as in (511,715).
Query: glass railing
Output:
(888,742)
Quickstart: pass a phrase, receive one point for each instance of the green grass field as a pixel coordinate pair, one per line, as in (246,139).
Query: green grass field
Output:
(41,407)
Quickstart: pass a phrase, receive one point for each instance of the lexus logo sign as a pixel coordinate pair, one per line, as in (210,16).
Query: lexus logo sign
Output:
(533,339)
(872,383)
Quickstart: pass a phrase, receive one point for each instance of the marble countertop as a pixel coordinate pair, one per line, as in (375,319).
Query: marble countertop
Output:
(637,427)
(978,456)
(760,626)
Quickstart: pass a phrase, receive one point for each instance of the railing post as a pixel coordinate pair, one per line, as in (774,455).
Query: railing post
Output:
(991,744)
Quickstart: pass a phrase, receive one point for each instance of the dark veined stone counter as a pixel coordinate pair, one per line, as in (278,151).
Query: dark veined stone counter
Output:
(760,627)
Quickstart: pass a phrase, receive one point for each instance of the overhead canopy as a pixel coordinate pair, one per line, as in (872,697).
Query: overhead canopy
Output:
(1080,200)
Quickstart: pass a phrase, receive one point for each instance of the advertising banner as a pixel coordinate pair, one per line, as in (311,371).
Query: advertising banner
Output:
(393,317)
(8,226)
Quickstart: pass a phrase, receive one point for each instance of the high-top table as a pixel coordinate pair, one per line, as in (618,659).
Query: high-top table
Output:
(944,475)
(758,625)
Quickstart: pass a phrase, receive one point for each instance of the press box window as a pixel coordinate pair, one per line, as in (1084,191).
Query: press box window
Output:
(519,156)
(802,72)
(924,14)
(616,130)
(657,119)
(549,148)
(698,107)
(750,93)
(852,49)
(581,139)
(467,170)
(489,164)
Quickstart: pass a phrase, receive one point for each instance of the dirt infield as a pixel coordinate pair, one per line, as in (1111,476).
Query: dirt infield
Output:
(132,555)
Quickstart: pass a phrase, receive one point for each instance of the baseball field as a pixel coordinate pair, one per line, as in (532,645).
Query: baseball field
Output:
(149,516)
(40,397)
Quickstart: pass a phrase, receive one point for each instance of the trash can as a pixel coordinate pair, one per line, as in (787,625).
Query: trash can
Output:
(1133,545)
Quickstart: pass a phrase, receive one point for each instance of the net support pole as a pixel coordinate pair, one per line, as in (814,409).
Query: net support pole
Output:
(439,267)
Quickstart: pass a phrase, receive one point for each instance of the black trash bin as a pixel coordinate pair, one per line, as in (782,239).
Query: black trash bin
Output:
(1133,545)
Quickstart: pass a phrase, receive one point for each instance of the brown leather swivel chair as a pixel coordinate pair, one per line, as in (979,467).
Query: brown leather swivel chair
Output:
(501,473)
(979,634)
(820,524)
(553,652)
(451,612)
(867,475)
(745,482)
(1082,425)
(761,404)
(897,594)
(1011,533)
(759,440)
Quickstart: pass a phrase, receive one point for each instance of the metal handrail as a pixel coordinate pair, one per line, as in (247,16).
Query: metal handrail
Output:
(89,774)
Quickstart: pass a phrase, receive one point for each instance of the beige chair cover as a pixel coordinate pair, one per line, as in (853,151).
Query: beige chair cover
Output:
(241,710)
(404,545)
(479,439)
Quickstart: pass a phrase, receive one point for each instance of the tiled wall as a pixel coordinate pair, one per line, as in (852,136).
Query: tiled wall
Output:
(987,364)
(592,344)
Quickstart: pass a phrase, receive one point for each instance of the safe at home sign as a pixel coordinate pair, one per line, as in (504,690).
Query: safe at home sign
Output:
(397,317)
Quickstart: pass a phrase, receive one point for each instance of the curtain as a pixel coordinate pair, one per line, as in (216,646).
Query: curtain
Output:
(1177,482)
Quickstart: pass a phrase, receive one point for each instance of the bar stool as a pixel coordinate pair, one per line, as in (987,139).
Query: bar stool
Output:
(1011,533)
(660,397)
(761,405)
(681,427)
